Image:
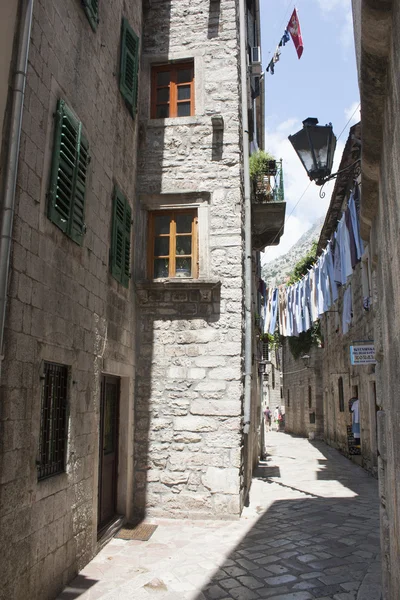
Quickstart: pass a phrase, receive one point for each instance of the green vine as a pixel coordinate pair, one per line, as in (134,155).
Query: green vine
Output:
(306,340)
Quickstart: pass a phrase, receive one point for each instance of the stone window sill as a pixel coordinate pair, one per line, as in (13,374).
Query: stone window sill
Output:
(195,120)
(178,283)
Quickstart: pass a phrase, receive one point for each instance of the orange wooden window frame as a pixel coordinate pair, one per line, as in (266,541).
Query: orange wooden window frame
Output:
(172,256)
(173,88)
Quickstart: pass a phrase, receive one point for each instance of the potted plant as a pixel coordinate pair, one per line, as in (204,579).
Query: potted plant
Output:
(262,166)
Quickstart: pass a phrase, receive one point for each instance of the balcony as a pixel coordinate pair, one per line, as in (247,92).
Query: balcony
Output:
(268,206)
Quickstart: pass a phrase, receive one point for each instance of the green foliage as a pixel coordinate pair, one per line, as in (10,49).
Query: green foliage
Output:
(259,163)
(274,341)
(303,343)
(304,264)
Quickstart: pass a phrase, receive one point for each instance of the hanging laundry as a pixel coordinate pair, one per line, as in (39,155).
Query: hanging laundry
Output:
(329,263)
(345,257)
(306,303)
(294,29)
(356,226)
(282,310)
(271,67)
(285,38)
(267,310)
(274,311)
(353,248)
(347,310)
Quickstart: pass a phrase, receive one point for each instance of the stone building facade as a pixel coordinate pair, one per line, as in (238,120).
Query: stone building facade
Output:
(122,380)
(189,448)
(69,336)
(302,393)
(378,58)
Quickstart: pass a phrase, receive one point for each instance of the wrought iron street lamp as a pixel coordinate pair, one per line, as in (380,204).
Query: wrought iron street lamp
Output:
(315,146)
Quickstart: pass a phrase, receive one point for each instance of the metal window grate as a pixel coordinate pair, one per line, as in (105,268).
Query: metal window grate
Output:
(52,441)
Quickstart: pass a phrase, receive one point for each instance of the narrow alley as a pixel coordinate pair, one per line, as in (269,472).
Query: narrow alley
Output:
(311,531)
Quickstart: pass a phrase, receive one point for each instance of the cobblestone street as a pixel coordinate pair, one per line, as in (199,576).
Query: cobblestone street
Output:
(311,531)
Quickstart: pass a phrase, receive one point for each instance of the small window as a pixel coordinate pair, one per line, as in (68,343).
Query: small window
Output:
(53,427)
(129,66)
(341,394)
(173,244)
(309,396)
(91,8)
(172,90)
(66,200)
(312,418)
(273,377)
(120,254)
(288,397)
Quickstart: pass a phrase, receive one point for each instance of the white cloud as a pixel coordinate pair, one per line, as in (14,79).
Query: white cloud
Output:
(341,11)
(353,113)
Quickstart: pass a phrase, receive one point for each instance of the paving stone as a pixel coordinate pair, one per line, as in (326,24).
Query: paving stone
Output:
(281,579)
(250,582)
(288,545)
(293,596)
(243,593)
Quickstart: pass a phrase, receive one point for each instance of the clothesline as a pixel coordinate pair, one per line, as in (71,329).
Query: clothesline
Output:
(294,308)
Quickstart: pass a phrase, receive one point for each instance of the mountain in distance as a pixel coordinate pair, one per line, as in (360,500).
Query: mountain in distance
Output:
(276,271)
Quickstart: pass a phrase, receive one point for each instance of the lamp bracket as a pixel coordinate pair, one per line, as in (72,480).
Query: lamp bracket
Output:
(355,168)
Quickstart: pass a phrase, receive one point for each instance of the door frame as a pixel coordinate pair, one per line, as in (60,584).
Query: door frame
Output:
(112,379)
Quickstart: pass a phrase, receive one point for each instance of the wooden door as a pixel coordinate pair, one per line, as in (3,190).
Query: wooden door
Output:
(108,449)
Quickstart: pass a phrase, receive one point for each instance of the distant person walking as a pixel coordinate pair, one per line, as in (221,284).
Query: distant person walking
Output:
(277,417)
(268,417)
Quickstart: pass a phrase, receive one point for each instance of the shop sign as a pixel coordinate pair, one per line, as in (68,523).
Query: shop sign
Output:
(362,353)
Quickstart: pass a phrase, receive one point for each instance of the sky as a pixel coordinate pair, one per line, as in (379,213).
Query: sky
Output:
(322,84)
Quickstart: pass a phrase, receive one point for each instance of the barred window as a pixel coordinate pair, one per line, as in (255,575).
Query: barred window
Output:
(53,427)
(341,394)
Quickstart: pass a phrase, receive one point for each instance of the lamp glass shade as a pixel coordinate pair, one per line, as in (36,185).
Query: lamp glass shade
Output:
(315,146)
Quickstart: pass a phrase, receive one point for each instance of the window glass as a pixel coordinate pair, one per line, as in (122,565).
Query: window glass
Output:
(162,111)
(183,267)
(183,92)
(162,223)
(163,78)
(161,268)
(184,109)
(163,95)
(161,246)
(184,75)
(183,244)
(184,223)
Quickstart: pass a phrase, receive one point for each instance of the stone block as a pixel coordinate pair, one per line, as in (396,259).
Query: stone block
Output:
(217,408)
(225,481)
(196,424)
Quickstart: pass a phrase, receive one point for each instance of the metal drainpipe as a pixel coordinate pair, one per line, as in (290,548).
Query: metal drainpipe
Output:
(248,350)
(11,166)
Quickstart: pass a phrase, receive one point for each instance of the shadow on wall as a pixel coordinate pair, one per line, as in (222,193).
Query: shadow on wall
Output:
(174,329)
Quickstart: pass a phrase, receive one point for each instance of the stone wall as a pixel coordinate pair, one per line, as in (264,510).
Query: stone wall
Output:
(188,415)
(382,91)
(302,393)
(357,380)
(63,304)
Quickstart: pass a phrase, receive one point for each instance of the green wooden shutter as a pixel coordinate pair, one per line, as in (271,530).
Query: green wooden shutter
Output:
(91,8)
(77,221)
(127,251)
(66,200)
(121,239)
(66,141)
(128,82)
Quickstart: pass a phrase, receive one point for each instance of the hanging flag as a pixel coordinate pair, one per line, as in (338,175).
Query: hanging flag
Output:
(295,32)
